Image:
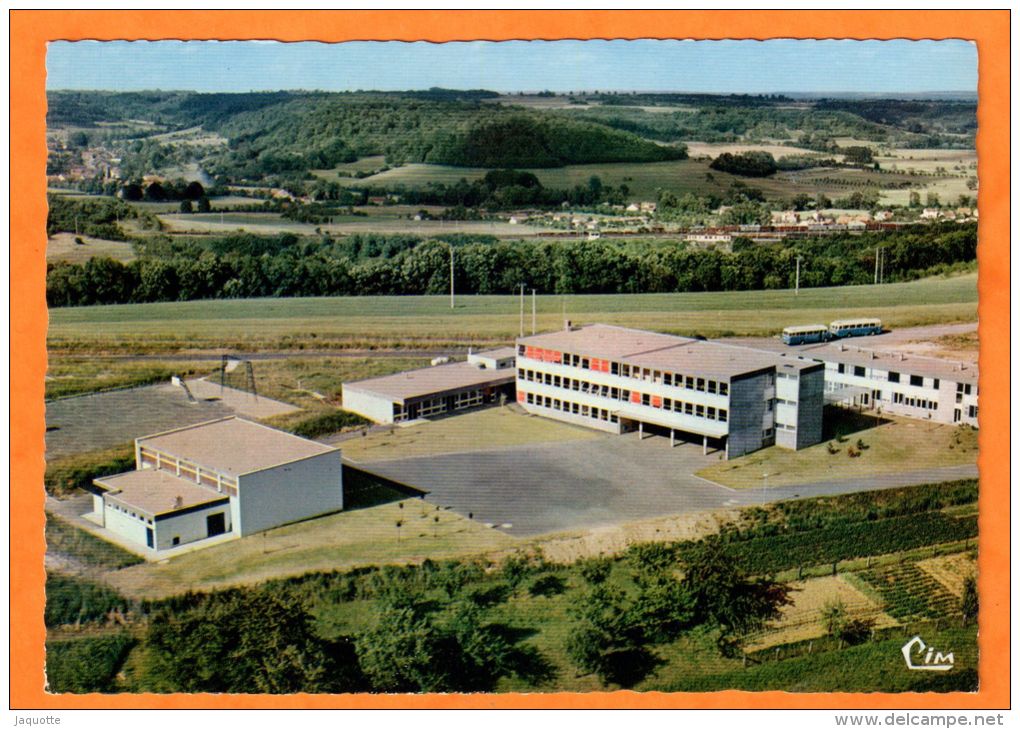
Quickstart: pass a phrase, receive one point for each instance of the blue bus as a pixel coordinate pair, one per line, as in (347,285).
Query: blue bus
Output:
(806,334)
(854,328)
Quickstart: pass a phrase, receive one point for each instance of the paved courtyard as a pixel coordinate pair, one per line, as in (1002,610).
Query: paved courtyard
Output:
(108,419)
(529,490)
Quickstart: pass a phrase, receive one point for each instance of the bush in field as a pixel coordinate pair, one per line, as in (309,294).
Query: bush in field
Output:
(85,665)
(594,570)
(602,640)
(969,600)
(842,627)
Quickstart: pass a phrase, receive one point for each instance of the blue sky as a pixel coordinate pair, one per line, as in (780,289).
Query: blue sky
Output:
(642,65)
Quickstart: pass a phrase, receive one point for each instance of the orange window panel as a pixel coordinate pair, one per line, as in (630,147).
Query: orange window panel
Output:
(656,401)
(635,397)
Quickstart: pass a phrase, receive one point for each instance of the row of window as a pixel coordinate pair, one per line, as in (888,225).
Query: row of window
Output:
(572,408)
(914,402)
(645,374)
(785,426)
(121,509)
(915,380)
(631,396)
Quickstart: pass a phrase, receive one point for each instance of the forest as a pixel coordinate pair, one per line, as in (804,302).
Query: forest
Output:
(247,266)
(289,133)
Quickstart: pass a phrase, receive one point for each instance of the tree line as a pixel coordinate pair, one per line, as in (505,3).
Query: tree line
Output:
(284,266)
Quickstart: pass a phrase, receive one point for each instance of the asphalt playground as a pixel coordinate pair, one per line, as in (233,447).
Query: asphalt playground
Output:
(531,490)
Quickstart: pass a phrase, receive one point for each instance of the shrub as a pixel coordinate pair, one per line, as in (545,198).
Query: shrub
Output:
(85,665)
(76,600)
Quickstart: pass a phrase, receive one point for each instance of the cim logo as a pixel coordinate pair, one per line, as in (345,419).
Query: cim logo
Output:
(922,657)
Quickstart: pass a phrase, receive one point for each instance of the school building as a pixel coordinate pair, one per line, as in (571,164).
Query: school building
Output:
(900,383)
(726,397)
(227,476)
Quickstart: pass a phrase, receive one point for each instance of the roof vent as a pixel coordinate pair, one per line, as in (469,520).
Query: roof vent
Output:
(178,502)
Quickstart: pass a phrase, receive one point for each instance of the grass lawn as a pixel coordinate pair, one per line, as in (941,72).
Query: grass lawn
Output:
(366,536)
(897,445)
(479,430)
(426,321)
(77,375)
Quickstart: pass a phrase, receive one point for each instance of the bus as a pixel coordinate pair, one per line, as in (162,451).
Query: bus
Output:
(854,328)
(806,334)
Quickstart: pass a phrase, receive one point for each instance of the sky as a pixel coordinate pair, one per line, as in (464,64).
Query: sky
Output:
(728,66)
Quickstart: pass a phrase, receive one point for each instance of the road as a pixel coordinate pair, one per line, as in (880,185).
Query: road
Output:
(891,338)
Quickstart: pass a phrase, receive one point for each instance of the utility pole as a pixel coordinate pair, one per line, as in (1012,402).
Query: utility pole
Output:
(881,266)
(877,250)
(522,310)
(451,278)
(534,317)
(796,290)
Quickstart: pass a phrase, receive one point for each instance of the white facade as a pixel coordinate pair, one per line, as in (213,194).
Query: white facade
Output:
(899,388)
(192,483)
(615,380)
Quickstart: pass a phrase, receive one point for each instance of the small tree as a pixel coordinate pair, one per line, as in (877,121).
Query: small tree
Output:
(969,600)
(185,206)
(203,205)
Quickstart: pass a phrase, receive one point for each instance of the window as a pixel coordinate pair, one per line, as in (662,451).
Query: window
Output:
(520,374)
(724,388)
(859,371)
(972,411)
(689,383)
(722,415)
(711,413)
(916,381)
(625,370)
(770,405)
(701,384)
(935,383)
(667,379)
(699,411)
(585,364)
(556,381)
(841,368)
(711,386)
(176,541)
(667,404)
(614,368)
(645,399)
(688,408)
(894,377)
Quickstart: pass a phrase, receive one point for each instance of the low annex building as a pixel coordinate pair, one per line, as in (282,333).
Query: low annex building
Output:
(223,476)
(900,383)
(430,391)
(617,379)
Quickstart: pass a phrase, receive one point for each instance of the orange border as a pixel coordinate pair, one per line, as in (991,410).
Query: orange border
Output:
(29,31)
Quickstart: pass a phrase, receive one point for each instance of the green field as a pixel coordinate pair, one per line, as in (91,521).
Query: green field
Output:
(414,321)
(643,179)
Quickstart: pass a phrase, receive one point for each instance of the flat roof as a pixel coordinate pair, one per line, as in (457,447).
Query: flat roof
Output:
(235,446)
(157,492)
(909,364)
(659,351)
(500,353)
(436,380)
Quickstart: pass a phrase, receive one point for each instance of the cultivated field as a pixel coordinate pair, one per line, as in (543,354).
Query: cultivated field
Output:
(63,247)
(803,619)
(403,322)
(707,149)
(950,571)
(897,445)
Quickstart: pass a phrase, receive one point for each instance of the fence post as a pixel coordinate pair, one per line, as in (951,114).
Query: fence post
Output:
(834,566)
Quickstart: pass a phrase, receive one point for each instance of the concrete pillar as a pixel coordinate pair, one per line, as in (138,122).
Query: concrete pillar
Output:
(704,445)
(672,438)
(640,430)
(726,445)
